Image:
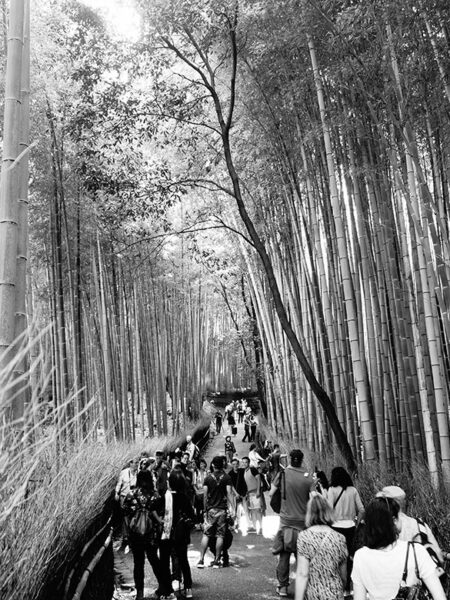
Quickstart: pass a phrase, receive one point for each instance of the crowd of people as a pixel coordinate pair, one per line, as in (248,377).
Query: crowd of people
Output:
(342,548)
(346,549)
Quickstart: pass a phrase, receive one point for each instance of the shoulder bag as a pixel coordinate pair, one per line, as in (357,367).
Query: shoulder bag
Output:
(411,592)
(275,500)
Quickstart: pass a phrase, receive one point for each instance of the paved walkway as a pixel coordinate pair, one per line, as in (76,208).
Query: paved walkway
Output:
(251,574)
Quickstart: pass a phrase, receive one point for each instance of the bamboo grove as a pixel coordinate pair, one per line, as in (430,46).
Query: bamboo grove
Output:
(247,194)
(341,110)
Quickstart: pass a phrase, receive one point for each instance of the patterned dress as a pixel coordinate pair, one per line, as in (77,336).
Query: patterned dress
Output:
(326,550)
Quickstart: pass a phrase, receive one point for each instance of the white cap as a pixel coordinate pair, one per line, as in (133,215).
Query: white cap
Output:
(392,491)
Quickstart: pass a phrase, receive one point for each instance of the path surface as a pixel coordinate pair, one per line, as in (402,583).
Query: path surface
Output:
(251,574)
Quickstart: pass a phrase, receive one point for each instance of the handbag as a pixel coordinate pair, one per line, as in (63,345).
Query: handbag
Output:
(275,500)
(411,592)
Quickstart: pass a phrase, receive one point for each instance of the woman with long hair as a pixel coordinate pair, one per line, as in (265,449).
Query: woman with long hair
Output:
(321,555)
(143,507)
(379,565)
(348,508)
(175,538)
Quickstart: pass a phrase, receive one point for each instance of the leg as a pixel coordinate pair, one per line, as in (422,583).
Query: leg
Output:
(203,546)
(283,568)
(219,546)
(122,573)
(162,566)
(183,561)
(176,569)
(138,551)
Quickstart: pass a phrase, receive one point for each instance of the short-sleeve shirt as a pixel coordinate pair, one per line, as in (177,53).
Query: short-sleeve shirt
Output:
(251,482)
(298,484)
(380,571)
(326,550)
(217,489)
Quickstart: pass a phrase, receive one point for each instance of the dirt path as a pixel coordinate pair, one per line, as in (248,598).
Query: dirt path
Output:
(251,574)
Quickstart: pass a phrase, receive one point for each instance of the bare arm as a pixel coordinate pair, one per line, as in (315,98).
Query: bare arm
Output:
(359,591)
(205,496)
(343,571)
(435,587)
(231,499)
(274,486)
(301,579)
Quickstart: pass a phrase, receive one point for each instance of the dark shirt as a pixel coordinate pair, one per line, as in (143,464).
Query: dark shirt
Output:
(229,447)
(160,474)
(181,507)
(274,461)
(217,483)
(238,481)
(189,476)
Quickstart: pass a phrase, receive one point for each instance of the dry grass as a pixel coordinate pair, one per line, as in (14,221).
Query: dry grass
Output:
(49,498)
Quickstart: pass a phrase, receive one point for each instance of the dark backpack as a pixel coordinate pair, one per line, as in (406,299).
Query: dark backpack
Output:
(275,501)
(421,537)
(141,523)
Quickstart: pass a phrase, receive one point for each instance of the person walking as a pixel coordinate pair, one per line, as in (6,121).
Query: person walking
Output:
(144,502)
(125,484)
(253,426)
(199,481)
(218,419)
(241,411)
(175,538)
(253,498)
(247,422)
(230,449)
(254,456)
(274,462)
(240,490)
(160,472)
(413,530)
(385,563)
(192,449)
(321,555)
(218,494)
(344,498)
(296,485)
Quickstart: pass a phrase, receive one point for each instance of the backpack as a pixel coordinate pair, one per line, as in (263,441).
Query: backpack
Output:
(421,537)
(141,523)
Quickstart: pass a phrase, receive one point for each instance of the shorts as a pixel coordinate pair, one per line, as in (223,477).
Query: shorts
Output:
(254,503)
(215,522)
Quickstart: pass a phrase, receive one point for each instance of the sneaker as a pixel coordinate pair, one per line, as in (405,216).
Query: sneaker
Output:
(188,593)
(170,596)
(282,591)
(215,564)
(200,564)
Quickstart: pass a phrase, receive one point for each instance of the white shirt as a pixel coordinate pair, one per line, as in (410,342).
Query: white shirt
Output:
(380,571)
(127,480)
